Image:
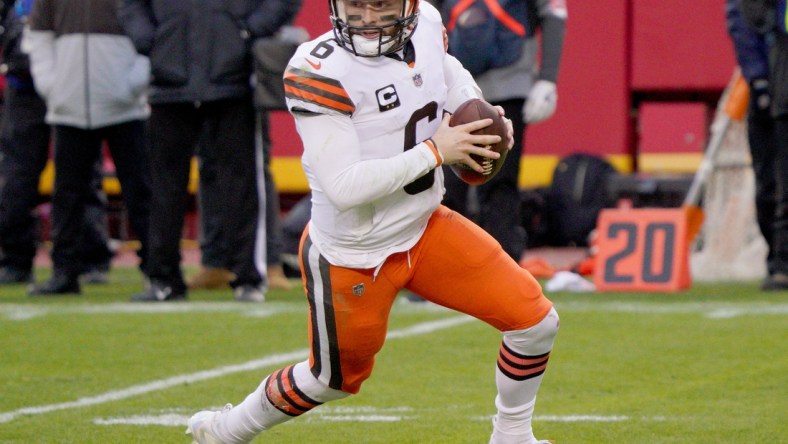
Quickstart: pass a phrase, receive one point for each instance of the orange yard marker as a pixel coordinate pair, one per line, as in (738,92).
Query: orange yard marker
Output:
(643,250)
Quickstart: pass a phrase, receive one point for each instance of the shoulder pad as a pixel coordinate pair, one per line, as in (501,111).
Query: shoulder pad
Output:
(311,78)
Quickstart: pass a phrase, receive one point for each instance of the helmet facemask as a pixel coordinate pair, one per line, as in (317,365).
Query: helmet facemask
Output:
(377,39)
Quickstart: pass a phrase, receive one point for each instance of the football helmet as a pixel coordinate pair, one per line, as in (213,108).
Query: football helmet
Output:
(389,37)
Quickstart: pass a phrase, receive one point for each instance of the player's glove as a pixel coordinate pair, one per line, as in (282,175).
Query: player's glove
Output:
(541,102)
(759,94)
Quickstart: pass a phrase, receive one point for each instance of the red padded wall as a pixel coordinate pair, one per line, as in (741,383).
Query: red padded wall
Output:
(680,45)
(672,127)
(593,96)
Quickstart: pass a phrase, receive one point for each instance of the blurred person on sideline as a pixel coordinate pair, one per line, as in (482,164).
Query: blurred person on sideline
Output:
(526,89)
(24,152)
(94,85)
(201,91)
(752,55)
(213,272)
(769,19)
(377,224)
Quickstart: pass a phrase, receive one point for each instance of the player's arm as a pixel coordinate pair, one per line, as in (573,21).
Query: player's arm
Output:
(138,22)
(333,151)
(550,18)
(552,21)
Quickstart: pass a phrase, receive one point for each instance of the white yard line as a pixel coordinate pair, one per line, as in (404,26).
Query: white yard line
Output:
(710,310)
(367,414)
(595,418)
(163,384)
(23,312)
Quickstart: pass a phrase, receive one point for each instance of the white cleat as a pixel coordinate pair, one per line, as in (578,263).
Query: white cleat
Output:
(200,426)
(499,437)
(496,440)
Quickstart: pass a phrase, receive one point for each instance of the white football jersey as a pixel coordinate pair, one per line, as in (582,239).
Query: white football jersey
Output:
(374,183)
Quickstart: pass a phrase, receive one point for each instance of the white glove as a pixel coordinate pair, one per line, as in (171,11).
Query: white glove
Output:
(541,102)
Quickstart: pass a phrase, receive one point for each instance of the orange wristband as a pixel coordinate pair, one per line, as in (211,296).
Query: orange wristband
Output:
(431,144)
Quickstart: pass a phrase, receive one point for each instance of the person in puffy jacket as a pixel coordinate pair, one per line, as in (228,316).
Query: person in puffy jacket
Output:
(94,85)
(24,152)
(201,67)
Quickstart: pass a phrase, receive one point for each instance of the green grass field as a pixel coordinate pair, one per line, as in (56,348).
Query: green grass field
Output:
(709,365)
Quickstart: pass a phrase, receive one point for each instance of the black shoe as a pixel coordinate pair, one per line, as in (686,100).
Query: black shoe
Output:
(776,282)
(13,275)
(59,283)
(157,292)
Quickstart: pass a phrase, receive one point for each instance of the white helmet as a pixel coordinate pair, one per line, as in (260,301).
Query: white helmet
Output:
(351,38)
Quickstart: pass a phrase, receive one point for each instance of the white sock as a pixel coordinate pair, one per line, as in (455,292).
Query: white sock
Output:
(521,363)
(249,418)
(513,425)
(256,413)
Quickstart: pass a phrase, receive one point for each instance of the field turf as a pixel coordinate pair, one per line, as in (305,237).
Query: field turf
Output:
(708,365)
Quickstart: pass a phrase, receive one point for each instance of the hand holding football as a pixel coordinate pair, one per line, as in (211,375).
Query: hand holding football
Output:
(470,111)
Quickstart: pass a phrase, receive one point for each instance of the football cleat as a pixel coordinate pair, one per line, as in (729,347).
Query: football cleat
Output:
(499,437)
(200,426)
(493,440)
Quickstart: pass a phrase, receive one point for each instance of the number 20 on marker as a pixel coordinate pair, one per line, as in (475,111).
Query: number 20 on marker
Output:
(642,250)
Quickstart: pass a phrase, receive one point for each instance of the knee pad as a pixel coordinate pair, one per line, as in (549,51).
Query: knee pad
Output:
(535,340)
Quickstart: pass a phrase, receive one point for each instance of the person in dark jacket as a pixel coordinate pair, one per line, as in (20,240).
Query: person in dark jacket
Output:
(769,19)
(213,272)
(752,55)
(24,151)
(201,71)
(94,84)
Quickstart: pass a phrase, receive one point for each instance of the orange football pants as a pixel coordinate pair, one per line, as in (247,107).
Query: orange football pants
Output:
(455,264)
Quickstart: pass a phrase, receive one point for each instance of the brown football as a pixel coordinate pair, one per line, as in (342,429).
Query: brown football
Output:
(477,109)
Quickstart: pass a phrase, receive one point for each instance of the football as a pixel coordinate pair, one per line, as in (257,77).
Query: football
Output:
(477,109)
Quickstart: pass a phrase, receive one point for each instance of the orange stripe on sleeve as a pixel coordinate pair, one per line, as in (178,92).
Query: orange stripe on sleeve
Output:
(320,90)
(294,92)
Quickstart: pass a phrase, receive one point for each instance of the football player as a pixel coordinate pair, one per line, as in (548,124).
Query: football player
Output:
(370,101)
